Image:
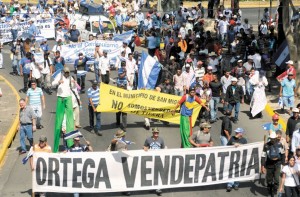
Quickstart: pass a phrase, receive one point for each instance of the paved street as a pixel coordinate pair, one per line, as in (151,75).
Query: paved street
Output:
(15,178)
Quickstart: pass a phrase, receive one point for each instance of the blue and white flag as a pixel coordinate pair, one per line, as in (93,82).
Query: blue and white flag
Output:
(25,159)
(72,134)
(267,126)
(148,72)
(126,141)
(81,73)
(193,82)
(100,25)
(56,74)
(124,37)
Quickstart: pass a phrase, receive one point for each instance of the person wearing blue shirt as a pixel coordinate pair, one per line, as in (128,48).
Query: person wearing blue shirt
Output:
(93,95)
(80,66)
(58,62)
(32,30)
(119,22)
(25,63)
(122,75)
(45,47)
(74,34)
(152,42)
(287,91)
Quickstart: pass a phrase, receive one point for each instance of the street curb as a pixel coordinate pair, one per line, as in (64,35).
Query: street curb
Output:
(271,112)
(13,128)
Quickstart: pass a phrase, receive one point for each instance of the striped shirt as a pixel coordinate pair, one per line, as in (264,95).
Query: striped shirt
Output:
(94,95)
(34,96)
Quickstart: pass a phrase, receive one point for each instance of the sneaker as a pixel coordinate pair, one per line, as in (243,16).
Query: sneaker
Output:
(22,152)
(126,193)
(99,133)
(147,127)
(158,192)
(229,189)
(235,187)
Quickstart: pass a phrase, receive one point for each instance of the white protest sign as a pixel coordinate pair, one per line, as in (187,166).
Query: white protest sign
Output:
(45,26)
(97,172)
(70,51)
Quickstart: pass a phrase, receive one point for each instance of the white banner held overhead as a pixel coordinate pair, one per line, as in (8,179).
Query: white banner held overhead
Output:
(45,26)
(70,51)
(99,172)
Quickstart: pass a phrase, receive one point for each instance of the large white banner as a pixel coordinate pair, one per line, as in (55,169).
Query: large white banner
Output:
(96,172)
(46,27)
(70,51)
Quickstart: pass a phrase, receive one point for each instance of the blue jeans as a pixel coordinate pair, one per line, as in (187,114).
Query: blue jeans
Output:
(25,130)
(224,140)
(96,70)
(178,92)
(213,107)
(16,66)
(236,109)
(288,101)
(14,33)
(81,81)
(233,183)
(98,118)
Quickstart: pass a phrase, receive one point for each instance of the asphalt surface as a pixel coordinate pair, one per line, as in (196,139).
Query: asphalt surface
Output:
(15,178)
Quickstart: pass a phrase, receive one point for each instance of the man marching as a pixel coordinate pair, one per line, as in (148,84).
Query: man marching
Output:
(64,106)
(187,103)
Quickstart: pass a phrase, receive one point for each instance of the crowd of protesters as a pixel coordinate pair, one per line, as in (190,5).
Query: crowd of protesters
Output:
(227,65)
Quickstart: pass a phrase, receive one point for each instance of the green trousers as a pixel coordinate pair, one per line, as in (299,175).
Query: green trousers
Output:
(63,106)
(185,131)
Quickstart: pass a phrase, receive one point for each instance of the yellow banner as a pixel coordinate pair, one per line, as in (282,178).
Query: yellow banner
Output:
(147,103)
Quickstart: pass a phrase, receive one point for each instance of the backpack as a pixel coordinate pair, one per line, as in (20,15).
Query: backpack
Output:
(274,152)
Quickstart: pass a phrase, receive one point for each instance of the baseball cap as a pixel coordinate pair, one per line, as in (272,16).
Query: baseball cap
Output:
(172,58)
(66,70)
(205,125)
(250,57)
(275,117)
(189,60)
(209,68)
(95,82)
(273,135)
(155,129)
(296,110)
(290,62)
(239,130)
(187,66)
(234,79)
(240,61)
(43,138)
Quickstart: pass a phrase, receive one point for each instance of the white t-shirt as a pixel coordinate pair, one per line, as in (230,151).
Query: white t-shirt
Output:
(257,60)
(36,73)
(45,67)
(223,26)
(289,180)
(60,36)
(104,65)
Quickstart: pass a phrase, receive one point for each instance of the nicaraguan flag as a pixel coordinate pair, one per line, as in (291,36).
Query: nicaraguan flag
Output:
(126,141)
(267,126)
(148,72)
(124,37)
(100,25)
(81,72)
(72,134)
(25,159)
(193,82)
(56,74)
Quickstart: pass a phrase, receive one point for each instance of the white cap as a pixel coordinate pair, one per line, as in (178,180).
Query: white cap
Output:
(250,57)
(234,79)
(240,61)
(172,58)
(234,16)
(209,68)
(296,110)
(221,15)
(197,36)
(290,62)
(187,65)
(273,135)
